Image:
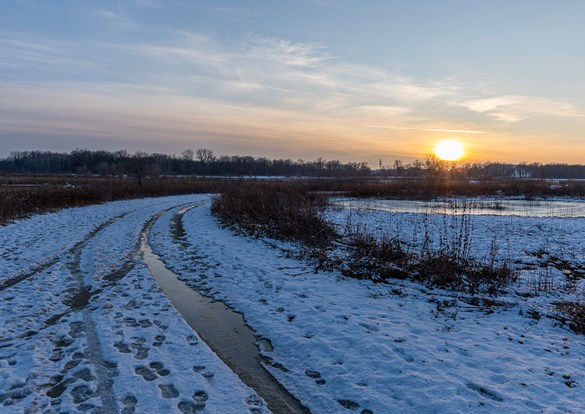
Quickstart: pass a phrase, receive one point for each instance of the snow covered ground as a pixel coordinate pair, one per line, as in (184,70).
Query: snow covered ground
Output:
(84,326)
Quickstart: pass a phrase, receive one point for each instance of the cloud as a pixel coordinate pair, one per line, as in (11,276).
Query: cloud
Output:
(264,92)
(148,3)
(116,18)
(515,108)
(283,73)
(456,131)
(230,13)
(36,56)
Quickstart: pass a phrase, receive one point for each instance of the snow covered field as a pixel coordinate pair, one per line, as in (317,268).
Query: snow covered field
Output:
(83,325)
(86,328)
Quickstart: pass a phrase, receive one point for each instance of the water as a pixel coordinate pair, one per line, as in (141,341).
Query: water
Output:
(496,207)
(224,331)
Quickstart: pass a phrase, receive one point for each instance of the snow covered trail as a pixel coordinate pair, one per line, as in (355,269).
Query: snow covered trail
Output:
(342,345)
(85,328)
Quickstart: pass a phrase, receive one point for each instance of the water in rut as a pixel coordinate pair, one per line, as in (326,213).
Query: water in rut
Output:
(224,331)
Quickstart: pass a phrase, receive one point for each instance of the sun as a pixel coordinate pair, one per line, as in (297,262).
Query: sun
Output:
(449,150)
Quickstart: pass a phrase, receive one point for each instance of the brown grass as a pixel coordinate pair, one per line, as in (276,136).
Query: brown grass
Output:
(424,189)
(287,211)
(388,258)
(48,193)
(574,314)
(22,196)
(283,211)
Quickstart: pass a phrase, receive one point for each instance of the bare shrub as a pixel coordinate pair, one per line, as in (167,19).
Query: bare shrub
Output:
(283,211)
(574,314)
(448,266)
(376,260)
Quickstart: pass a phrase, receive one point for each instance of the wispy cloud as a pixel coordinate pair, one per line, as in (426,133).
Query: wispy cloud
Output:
(114,17)
(456,131)
(148,3)
(230,13)
(515,108)
(29,54)
(303,73)
(260,92)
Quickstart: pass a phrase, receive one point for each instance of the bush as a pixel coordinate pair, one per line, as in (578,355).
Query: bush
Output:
(448,267)
(284,211)
(574,314)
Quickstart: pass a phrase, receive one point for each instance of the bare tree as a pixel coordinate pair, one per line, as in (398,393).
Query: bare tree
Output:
(398,167)
(205,155)
(139,166)
(187,154)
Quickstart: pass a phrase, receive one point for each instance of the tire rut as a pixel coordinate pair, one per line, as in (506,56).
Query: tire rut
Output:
(235,343)
(80,299)
(14,280)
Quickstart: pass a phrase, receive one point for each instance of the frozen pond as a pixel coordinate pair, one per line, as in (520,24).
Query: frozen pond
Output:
(497,207)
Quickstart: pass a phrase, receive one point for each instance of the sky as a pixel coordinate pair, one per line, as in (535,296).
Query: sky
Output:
(355,80)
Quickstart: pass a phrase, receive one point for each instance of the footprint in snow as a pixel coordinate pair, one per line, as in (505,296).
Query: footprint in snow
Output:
(141,350)
(168,391)
(158,340)
(159,368)
(192,340)
(81,393)
(122,347)
(146,373)
(145,323)
(195,406)
(131,322)
(188,407)
(316,376)
(352,405)
(129,402)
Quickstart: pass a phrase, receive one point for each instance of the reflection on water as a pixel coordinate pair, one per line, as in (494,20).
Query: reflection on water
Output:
(497,207)
(224,331)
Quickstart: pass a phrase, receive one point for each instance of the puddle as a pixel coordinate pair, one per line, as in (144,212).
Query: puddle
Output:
(495,207)
(224,331)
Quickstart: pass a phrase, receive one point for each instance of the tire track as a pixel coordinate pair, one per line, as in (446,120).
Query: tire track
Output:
(14,280)
(80,299)
(232,340)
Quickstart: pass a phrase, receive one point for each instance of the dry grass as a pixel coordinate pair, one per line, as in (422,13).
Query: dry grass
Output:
(287,211)
(293,210)
(574,314)
(22,196)
(382,259)
(283,211)
(424,189)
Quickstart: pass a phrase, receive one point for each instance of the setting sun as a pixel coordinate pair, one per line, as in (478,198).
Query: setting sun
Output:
(449,150)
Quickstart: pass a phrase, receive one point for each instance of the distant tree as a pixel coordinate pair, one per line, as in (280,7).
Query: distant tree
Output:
(205,155)
(139,165)
(398,167)
(187,154)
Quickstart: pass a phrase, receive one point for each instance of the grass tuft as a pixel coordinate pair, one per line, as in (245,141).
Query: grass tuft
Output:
(574,314)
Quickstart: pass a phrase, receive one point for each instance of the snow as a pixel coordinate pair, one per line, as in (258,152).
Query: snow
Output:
(338,345)
(57,356)
(396,348)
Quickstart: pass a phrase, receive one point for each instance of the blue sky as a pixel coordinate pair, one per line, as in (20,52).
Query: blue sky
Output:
(355,80)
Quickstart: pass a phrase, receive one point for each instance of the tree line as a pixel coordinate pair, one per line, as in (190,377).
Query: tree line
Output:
(203,161)
(199,162)
(432,167)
